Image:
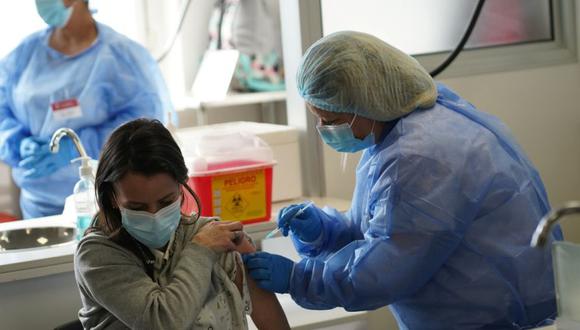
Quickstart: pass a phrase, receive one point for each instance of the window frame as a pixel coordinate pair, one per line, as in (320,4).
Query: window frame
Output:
(513,57)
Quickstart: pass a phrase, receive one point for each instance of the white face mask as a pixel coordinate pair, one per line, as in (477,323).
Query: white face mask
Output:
(53,12)
(153,230)
(341,138)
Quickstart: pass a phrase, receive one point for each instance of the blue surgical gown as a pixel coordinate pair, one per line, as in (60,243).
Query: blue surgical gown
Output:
(115,80)
(439,228)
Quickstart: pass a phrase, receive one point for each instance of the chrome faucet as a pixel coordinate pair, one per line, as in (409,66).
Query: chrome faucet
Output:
(59,134)
(544,228)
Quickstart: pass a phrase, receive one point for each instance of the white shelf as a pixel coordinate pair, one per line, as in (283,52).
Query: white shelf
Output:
(188,102)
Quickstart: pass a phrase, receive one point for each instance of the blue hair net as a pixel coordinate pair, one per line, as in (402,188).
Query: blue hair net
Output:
(354,72)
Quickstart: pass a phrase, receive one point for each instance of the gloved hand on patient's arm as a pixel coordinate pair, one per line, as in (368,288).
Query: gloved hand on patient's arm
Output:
(37,159)
(270,271)
(305,224)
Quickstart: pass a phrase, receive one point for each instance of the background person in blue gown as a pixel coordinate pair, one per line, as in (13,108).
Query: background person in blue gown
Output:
(444,207)
(77,73)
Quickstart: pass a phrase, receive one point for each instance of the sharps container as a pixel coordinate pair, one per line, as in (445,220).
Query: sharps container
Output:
(231,172)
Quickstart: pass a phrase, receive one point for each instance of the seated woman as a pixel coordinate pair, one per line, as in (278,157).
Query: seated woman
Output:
(145,265)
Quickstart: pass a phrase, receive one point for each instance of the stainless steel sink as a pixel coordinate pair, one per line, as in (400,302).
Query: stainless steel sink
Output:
(33,238)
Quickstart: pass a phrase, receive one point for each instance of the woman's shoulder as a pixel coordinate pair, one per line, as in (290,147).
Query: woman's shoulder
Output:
(122,45)
(202,221)
(191,226)
(25,48)
(96,247)
(92,237)
(33,39)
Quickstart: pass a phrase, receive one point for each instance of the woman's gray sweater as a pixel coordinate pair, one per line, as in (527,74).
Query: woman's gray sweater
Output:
(117,293)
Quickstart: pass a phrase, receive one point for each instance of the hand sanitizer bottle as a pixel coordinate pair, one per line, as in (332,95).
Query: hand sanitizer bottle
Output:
(84,197)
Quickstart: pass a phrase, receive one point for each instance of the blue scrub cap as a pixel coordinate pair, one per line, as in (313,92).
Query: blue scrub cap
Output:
(355,72)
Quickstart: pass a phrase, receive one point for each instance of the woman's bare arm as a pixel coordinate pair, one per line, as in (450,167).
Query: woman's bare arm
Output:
(267,313)
(245,246)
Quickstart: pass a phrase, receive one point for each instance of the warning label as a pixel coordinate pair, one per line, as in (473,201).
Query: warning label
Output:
(240,196)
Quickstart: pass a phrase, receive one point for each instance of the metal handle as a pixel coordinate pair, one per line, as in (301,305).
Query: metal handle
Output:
(549,220)
(59,134)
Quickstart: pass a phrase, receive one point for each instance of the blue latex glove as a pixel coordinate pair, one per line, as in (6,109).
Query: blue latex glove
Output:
(31,145)
(42,163)
(270,271)
(307,225)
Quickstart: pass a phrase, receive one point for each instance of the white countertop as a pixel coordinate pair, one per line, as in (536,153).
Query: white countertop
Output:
(57,259)
(39,261)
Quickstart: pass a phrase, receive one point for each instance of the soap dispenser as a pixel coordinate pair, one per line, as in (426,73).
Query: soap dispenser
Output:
(84,189)
(84,196)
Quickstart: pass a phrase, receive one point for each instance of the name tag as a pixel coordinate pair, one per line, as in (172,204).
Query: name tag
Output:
(66,109)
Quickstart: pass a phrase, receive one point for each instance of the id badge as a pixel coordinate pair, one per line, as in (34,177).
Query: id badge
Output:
(66,109)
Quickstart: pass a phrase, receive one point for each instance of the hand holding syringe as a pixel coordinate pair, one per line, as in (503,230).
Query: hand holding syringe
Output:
(277,230)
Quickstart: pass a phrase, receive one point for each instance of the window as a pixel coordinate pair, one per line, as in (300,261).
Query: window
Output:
(427,26)
(21,19)
(509,35)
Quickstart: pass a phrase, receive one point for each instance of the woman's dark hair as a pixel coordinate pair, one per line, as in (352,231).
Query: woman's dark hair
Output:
(142,146)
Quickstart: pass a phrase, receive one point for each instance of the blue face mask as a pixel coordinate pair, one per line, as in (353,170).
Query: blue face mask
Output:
(153,230)
(341,138)
(53,12)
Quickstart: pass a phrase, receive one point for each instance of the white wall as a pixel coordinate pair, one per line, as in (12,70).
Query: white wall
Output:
(541,106)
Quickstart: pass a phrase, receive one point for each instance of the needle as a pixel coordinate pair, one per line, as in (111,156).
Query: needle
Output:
(272,233)
(277,230)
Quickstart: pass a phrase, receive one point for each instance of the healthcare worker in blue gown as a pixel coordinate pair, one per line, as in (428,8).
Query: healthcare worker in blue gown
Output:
(443,210)
(80,74)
